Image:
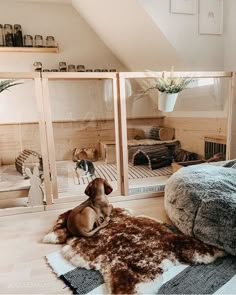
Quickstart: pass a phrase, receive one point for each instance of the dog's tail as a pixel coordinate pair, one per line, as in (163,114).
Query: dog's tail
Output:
(59,233)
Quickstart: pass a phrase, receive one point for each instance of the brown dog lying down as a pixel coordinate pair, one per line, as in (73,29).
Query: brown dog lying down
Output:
(93,214)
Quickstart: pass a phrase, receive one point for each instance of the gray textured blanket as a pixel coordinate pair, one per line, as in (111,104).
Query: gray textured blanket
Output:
(201,202)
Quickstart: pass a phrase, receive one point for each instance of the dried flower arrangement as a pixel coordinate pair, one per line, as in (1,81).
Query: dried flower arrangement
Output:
(170,84)
(6,84)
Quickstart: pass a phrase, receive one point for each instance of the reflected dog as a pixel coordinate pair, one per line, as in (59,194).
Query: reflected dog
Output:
(87,166)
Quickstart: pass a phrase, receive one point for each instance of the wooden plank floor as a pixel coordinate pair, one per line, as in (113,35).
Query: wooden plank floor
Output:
(23,269)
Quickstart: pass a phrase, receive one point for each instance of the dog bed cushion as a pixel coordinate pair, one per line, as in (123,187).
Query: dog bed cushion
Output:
(201,201)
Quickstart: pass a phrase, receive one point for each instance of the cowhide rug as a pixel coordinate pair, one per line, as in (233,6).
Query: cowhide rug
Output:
(131,252)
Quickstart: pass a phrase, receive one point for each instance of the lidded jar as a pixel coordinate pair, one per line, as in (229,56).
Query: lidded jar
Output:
(38,41)
(37,66)
(18,38)
(80,68)
(71,68)
(9,41)
(28,41)
(50,41)
(1,36)
(62,66)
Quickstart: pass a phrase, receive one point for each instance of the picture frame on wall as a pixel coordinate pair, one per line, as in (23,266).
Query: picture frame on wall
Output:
(210,17)
(183,6)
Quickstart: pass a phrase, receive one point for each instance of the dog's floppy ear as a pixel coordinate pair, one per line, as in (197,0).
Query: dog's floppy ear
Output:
(107,187)
(88,190)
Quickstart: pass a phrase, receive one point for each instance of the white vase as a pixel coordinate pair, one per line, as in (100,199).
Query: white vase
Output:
(166,101)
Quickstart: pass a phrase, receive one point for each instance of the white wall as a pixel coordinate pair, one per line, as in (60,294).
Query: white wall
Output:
(130,33)
(230,35)
(78,43)
(138,47)
(199,52)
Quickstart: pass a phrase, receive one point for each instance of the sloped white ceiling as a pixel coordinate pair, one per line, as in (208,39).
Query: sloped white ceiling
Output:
(46,1)
(127,29)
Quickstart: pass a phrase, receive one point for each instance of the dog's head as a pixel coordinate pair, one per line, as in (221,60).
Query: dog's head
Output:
(97,187)
(80,164)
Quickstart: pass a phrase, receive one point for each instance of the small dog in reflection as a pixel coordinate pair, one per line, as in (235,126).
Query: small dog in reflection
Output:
(87,166)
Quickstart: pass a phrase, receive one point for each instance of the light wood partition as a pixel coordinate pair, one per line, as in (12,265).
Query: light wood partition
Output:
(42,132)
(150,75)
(46,78)
(50,139)
(43,139)
(49,130)
(231,131)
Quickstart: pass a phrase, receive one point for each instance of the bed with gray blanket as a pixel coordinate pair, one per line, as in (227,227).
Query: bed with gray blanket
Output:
(201,201)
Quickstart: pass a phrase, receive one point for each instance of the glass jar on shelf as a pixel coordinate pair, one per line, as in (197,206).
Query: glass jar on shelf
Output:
(28,41)
(18,38)
(37,66)
(50,41)
(38,41)
(71,68)
(8,33)
(62,66)
(1,36)
(80,68)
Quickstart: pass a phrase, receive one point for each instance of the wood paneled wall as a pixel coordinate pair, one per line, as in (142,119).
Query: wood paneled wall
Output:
(191,131)
(16,137)
(68,135)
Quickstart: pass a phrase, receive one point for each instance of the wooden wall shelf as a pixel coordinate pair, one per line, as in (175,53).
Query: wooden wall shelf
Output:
(29,49)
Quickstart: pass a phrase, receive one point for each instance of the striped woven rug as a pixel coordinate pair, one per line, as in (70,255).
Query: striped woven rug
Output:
(109,172)
(218,277)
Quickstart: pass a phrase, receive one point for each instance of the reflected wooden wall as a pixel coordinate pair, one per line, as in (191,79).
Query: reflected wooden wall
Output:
(68,135)
(191,131)
(16,137)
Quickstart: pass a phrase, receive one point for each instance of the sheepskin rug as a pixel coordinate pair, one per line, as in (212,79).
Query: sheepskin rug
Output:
(131,252)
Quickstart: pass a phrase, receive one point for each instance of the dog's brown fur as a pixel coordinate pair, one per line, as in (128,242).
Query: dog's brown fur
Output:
(93,214)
